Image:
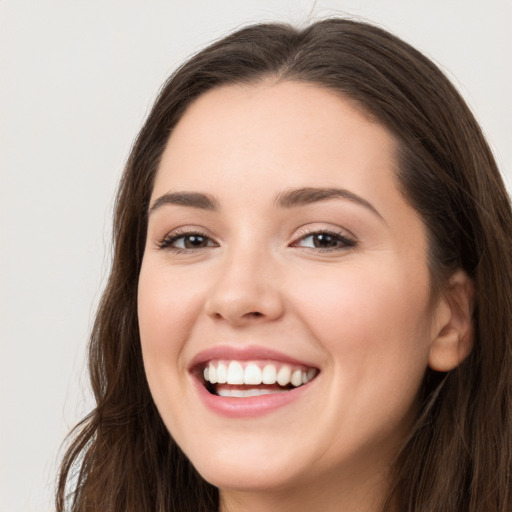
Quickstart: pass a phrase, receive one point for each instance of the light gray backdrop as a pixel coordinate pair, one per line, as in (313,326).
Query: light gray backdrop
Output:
(76,80)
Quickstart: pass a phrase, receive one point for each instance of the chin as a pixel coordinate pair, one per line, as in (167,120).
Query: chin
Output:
(247,477)
(249,468)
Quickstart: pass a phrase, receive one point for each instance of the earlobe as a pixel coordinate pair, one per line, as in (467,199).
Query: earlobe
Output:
(453,334)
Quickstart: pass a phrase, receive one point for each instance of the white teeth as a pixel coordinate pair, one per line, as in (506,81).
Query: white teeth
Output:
(284,375)
(269,375)
(213,373)
(252,374)
(296,378)
(242,393)
(222,373)
(235,373)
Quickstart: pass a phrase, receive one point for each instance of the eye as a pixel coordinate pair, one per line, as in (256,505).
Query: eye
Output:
(186,241)
(325,241)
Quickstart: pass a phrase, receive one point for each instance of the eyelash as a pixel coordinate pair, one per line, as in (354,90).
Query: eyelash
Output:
(167,241)
(346,243)
(343,242)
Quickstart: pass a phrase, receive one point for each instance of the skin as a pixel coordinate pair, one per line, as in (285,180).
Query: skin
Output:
(361,313)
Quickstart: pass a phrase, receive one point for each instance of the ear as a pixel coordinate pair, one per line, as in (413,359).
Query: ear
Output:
(453,324)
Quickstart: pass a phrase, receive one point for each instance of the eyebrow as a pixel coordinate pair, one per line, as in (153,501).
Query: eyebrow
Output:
(308,195)
(191,199)
(288,199)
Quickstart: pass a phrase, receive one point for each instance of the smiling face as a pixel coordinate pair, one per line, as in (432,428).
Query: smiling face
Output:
(279,244)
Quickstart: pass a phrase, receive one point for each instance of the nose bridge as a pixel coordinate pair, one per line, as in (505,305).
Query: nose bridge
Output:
(246,288)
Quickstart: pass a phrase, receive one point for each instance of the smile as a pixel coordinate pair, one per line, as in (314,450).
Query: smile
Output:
(240,382)
(231,378)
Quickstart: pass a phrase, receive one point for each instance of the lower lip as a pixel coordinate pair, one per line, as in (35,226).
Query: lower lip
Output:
(247,407)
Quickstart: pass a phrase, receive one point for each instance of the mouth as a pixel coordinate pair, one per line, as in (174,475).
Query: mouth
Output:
(253,378)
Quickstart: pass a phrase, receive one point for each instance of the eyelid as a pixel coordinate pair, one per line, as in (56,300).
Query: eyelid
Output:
(317,227)
(347,238)
(165,242)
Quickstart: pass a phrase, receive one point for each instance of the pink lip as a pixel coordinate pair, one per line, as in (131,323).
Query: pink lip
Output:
(232,407)
(250,406)
(246,353)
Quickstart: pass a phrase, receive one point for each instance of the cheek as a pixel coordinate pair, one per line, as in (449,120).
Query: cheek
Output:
(167,313)
(167,307)
(361,298)
(373,322)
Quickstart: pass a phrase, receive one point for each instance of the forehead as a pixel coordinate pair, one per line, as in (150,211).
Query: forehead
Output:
(244,146)
(290,130)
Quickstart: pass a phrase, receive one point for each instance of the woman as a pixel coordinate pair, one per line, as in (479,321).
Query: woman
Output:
(309,301)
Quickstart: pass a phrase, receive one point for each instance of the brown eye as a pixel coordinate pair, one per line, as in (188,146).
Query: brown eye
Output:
(186,242)
(325,240)
(194,241)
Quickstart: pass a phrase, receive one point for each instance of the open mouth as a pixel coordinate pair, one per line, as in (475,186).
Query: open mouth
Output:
(240,379)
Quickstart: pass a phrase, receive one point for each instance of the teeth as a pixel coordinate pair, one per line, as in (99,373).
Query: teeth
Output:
(283,375)
(213,373)
(222,373)
(269,374)
(296,378)
(252,374)
(242,393)
(234,373)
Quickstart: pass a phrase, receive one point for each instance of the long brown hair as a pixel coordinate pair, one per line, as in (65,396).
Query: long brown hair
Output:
(458,456)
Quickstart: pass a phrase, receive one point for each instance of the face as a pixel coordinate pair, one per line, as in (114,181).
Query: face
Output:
(284,295)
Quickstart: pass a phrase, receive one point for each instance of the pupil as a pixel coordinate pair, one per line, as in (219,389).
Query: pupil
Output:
(194,241)
(323,240)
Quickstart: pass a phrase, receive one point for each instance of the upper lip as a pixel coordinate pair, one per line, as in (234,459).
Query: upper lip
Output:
(245,353)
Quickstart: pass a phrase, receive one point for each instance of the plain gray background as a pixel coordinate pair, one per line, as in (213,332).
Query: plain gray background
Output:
(76,81)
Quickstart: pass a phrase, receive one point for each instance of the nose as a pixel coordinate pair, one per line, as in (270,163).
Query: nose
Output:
(246,290)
